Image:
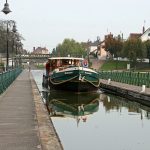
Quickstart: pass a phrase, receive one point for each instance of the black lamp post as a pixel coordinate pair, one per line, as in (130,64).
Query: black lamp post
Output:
(88,51)
(6,10)
(14,31)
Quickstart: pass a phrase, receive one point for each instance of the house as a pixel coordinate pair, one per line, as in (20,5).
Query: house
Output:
(146,35)
(135,35)
(102,54)
(96,48)
(90,47)
(93,47)
(40,50)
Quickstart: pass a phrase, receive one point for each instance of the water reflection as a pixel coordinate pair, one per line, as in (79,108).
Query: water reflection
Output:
(73,105)
(112,102)
(79,106)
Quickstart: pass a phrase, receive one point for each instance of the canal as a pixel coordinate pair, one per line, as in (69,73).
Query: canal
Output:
(97,121)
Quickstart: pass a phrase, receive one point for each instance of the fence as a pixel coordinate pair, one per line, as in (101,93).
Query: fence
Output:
(6,78)
(134,78)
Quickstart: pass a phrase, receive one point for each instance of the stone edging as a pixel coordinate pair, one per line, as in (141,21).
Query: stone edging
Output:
(128,93)
(47,134)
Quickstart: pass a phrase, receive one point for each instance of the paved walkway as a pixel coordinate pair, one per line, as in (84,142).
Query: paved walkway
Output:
(127,86)
(20,126)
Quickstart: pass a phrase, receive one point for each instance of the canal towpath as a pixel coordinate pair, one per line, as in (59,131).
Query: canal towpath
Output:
(132,92)
(24,120)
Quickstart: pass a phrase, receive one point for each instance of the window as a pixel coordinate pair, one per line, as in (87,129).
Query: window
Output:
(148,34)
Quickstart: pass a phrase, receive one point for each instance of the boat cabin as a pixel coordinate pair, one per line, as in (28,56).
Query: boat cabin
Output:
(64,62)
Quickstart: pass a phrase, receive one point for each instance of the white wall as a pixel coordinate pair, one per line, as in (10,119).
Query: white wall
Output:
(145,36)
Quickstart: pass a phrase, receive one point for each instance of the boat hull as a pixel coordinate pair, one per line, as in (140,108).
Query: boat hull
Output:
(75,86)
(77,80)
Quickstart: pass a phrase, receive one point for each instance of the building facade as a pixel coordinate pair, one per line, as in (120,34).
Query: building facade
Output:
(40,50)
(146,35)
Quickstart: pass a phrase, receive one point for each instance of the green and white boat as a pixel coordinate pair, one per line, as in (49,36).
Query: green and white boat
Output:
(72,74)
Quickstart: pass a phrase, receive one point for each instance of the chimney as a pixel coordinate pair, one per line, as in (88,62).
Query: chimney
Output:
(143,29)
(33,49)
(122,36)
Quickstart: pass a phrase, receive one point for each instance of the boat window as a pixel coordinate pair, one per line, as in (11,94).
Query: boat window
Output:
(53,64)
(148,34)
(59,63)
(76,62)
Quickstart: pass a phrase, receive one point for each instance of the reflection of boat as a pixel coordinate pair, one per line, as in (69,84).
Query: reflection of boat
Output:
(72,74)
(72,105)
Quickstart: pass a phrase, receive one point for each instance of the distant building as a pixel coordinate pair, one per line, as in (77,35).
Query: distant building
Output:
(102,54)
(135,35)
(93,46)
(24,51)
(146,35)
(40,50)
(97,48)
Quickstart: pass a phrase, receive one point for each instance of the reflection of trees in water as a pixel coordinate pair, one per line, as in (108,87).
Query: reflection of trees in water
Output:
(112,102)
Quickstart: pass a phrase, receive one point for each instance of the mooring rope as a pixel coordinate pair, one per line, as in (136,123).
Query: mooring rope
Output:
(93,83)
(62,81)
(74,78)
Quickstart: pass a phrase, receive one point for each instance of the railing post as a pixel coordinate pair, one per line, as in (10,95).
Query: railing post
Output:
(138,79)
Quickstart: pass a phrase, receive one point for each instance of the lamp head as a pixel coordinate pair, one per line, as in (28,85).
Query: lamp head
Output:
(14,28)
(6,9)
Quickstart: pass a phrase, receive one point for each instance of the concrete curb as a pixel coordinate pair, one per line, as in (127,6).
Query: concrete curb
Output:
(47,134)
(128,91)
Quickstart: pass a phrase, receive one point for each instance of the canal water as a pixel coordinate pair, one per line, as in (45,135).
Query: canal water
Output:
(97,121)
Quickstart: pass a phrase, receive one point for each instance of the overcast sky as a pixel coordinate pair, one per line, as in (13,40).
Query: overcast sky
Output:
(47,23)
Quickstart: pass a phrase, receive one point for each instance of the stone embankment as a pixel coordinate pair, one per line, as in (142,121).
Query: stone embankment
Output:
(136,93)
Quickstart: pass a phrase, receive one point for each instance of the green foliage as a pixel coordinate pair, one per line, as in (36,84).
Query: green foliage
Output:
(114,65)
(40,66)
(113,45)
(1,64)
(10,35)
(133,49)
(69,47)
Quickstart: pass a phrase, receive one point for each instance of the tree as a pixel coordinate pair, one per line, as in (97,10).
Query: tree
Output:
(70,47)
(10,35)
(54,53)
(133,49)
(147,45)
(113,45)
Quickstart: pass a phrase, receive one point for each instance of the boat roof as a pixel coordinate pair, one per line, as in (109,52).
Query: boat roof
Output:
(69,58)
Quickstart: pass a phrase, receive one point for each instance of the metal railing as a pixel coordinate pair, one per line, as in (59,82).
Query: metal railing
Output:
(6,78)
(134,78)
